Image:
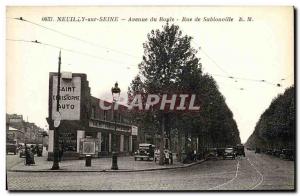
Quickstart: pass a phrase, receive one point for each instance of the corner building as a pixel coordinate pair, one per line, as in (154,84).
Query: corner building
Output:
(82,118)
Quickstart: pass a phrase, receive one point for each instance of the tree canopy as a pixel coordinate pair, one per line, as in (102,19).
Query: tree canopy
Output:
(170,65)
(276,126)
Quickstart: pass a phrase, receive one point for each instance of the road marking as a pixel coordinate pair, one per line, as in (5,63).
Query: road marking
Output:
(236,173)
(262,176)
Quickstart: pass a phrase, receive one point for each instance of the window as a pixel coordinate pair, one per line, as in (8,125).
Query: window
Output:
(104,115)
(120,118)
(93,113)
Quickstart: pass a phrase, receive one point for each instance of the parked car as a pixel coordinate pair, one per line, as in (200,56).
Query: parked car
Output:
(145,152)
(257,150)
(287,154)
(276,152)
(229,153)
(220,152)
(269,151)
(11,146)
(212,154)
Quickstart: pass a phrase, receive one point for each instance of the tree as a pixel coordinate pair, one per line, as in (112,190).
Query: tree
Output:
(170,66)
(276,126)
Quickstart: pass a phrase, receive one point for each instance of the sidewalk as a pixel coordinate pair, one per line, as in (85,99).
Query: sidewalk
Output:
(125,164)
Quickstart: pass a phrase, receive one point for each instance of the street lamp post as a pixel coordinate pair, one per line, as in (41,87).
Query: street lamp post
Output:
(55,165)
(115,91)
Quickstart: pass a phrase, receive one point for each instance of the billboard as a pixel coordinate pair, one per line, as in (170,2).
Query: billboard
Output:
(70,95)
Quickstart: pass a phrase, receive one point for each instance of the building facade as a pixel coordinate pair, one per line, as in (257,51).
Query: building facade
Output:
(23,132)
(83,119)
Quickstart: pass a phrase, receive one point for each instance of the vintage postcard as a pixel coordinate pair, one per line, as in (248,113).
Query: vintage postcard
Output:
(150,98)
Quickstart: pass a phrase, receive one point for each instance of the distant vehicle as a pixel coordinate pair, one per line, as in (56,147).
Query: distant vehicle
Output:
(145,152)
(287,154)
(276,152)
(269,151)
(212,154)
(240,150)
(20,146)
(11,146)
(220,152)
(257,150)
(229,153)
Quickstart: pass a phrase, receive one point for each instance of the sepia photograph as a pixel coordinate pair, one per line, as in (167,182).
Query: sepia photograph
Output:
(150,98)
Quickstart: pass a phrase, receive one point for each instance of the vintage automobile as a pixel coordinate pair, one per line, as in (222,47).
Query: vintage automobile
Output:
(287,154)
(212,154)
(145,152)
(240,150)
(269,151)
(229,153)
(220,152)
(257,150)
(276,152)
(11,146)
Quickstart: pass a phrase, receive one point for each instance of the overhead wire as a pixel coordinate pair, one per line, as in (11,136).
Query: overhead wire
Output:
(73,37)
(68,50)
(228,75)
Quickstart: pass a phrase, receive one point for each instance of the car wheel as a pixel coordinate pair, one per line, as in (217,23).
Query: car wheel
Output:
(135,158)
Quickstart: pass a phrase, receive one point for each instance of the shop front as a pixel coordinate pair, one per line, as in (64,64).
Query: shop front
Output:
(90,123)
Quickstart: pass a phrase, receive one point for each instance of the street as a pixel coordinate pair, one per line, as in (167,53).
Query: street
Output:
(254,172)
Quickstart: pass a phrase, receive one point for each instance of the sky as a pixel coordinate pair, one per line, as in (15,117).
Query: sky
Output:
(261,49)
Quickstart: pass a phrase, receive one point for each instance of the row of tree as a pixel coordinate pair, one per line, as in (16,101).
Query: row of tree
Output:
(170,66)
(276,126)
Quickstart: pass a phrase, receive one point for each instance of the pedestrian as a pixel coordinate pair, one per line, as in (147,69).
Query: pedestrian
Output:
(195,155)
(27,156)
(31,153)
(167,156)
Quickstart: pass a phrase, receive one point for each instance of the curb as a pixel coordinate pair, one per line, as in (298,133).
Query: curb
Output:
(135,170)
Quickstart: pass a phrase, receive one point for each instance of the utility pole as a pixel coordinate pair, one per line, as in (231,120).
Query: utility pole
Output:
(55,165)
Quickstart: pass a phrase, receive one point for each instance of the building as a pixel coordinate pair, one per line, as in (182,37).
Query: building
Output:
(14,135)
(82,119)
(23,132)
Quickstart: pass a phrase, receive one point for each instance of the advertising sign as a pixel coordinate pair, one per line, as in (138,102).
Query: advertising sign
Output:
(70,95)
(134,130)
(88,147)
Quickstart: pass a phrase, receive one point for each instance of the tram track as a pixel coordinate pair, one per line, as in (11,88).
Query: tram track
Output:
(258,182)
(229,181)
(261,175)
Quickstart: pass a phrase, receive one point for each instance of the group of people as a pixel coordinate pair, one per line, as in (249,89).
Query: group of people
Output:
(29,155)
(32,150)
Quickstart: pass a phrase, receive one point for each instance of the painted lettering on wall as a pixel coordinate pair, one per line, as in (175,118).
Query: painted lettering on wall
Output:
(69,99)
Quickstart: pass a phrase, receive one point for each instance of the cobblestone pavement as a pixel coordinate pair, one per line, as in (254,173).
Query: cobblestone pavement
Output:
(256,171)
